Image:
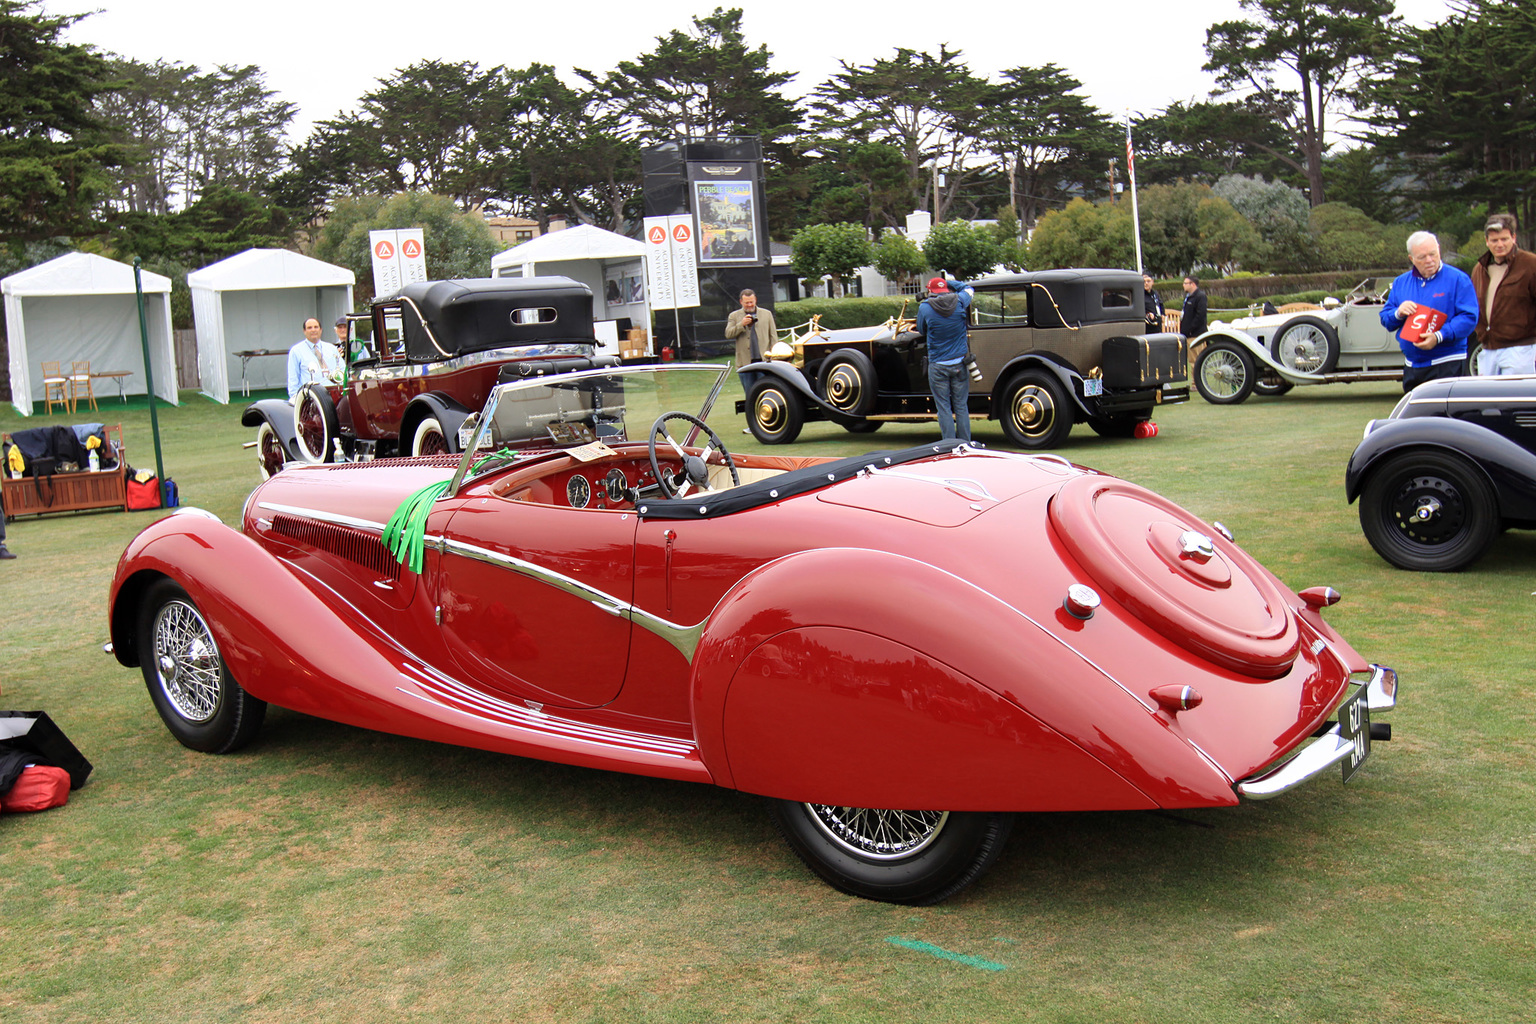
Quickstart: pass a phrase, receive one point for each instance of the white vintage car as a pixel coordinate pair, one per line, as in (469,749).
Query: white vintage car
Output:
(1272,352)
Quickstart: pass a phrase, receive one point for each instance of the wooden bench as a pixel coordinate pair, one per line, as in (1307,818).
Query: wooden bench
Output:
(69,492)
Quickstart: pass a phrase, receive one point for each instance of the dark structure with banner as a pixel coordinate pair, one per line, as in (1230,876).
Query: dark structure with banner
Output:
(718,183)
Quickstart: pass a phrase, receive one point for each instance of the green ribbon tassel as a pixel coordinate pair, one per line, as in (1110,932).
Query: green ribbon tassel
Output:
(405,533)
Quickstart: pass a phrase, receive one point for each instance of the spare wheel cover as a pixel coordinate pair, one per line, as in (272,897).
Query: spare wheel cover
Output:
(1177,575)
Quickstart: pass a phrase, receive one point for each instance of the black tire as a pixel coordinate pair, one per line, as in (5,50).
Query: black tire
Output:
(1224,374)
(270,453)
(1473,348)
(774,412)
(1123,425)
(847,382)
(1306,345)
(314,424)
(1036,411)
(864,426)
(197,698)
(912,857)
(1428,511)
(429,439)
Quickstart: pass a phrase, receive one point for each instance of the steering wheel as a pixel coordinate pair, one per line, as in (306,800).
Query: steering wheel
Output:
(695,471)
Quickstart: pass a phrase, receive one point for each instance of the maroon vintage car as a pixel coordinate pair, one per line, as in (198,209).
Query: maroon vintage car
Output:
(900,650)
(422,362)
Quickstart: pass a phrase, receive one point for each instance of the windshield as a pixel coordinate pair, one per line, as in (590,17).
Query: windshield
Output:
(590,407)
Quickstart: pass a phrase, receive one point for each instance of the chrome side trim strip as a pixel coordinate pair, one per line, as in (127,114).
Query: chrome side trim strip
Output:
(684,638)
(324,517)
(455,696)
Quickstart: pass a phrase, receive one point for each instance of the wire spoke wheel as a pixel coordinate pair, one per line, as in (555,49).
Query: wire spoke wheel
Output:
(186,662)
(882,835)
(191,686)
(1224,375)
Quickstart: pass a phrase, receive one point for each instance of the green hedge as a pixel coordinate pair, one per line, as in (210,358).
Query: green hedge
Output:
(839,313)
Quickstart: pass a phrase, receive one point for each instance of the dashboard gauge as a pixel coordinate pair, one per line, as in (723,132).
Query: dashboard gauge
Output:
(617,485)
(578,492)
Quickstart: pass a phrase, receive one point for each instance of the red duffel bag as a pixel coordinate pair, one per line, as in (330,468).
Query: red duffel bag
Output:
(37,788)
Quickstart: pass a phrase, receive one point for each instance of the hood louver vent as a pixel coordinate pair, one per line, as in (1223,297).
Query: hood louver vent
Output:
(439,461)
(357,546)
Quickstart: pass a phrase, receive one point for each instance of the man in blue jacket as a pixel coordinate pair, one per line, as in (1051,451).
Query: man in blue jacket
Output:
(942,319)
(1433,310)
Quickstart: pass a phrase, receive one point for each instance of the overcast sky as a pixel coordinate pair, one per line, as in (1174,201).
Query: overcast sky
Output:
(323,55)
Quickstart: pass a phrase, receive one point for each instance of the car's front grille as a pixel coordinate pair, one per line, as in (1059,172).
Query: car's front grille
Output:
(358,546)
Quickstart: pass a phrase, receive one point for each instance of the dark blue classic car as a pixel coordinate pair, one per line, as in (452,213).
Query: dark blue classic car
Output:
(1452,466)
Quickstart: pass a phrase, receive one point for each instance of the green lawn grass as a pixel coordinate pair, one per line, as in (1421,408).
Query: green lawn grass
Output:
(331,874)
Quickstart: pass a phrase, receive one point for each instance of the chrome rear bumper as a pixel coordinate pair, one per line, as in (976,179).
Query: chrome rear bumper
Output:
(1322,752)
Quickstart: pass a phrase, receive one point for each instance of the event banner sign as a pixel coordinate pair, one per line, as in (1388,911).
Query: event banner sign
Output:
(399,258)
(727,218)
(670,262)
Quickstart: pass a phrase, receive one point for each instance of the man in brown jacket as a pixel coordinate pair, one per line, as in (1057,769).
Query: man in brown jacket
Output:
(754,331)
(1505,282)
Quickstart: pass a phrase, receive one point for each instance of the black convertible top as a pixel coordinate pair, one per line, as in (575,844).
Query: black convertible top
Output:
(785,485)
(442,319)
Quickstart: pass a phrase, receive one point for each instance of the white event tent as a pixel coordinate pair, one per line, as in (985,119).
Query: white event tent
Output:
(256,302)
(83,307)
(612,265)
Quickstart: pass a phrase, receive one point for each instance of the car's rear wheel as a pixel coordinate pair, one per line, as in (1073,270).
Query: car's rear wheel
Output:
(847,382)
(774,412)
(1428,511)
(314,423)
(1306,345)
(197,698)
(913,857)
(429,438)
(1036,412)
(270,454)
(1224,374)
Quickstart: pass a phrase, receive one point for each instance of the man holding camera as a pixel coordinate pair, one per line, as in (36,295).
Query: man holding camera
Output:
(754,331)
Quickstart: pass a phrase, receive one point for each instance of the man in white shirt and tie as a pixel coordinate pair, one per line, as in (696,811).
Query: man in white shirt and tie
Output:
(312,361)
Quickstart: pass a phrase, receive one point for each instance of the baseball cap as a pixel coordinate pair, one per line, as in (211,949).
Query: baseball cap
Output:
(938,284)
(341,321)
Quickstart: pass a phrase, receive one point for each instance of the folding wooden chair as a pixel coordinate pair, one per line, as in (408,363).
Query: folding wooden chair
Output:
(80,384)
(54,384)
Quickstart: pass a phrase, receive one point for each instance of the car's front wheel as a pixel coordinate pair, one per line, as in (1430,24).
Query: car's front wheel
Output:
(269,450)
(429,438)
(1224,374)
(1428,511)
(913,857)
(774,412)
(1035,411)
(197,698)
(314,423)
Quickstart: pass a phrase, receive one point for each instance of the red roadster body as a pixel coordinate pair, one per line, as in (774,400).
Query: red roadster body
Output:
(955,631)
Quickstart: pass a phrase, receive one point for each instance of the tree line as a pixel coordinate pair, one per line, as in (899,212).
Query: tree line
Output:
(185,165)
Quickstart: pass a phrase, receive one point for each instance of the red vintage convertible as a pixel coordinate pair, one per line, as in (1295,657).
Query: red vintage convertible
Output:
(900,650)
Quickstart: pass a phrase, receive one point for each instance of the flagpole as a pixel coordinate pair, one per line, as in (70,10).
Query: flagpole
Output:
(1130,167)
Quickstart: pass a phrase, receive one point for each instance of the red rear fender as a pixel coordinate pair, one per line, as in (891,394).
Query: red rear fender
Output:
(812,683)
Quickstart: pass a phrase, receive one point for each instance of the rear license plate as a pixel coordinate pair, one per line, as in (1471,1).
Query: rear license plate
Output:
(1355,727)
(1092,386)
